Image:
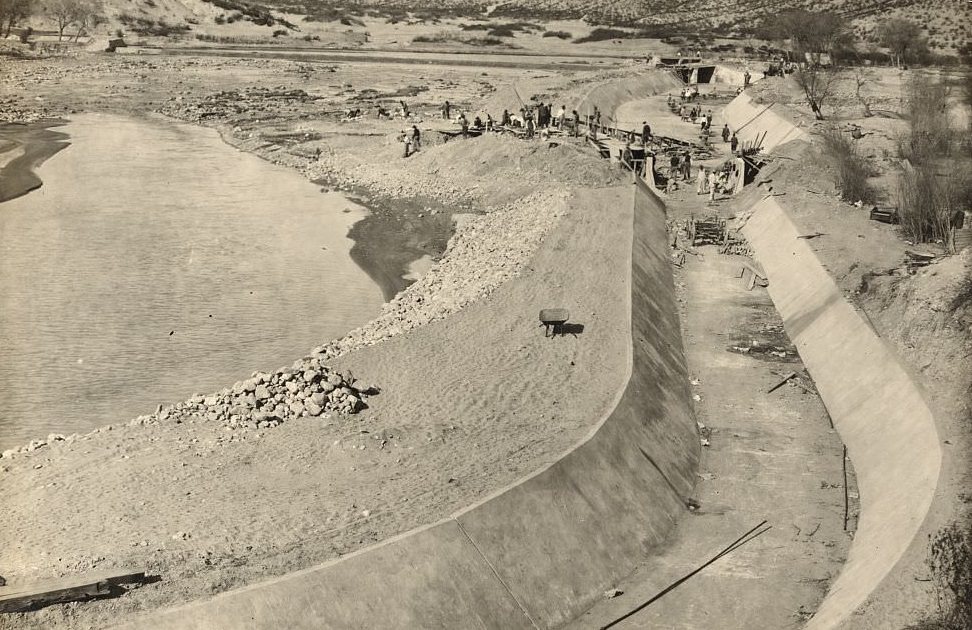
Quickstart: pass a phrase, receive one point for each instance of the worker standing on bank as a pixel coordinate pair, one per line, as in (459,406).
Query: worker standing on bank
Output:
(416,138)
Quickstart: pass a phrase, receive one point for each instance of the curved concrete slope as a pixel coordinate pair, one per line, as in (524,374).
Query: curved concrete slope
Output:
(754,122)
(880,413)
(540,552)
(610,95)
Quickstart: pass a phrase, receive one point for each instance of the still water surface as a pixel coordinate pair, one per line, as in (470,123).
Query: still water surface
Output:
(157,262)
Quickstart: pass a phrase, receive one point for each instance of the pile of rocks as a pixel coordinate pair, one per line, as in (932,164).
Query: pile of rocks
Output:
(265,400)
(37,444)
(222,105)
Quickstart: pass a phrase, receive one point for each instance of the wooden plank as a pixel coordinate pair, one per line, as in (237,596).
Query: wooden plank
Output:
(19,598)
(780,384)
(755,268)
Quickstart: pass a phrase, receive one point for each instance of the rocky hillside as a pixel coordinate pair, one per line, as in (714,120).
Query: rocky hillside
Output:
(947,23)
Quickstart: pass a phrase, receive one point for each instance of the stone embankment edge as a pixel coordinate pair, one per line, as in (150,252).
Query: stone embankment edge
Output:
(538,553)
(878,410)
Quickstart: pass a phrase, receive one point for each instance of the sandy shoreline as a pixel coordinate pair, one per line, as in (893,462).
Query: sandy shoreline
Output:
(38,142)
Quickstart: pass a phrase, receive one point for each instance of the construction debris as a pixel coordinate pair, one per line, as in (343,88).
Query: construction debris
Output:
(781,383)
(885,215)
(753,275)
(40,594)
(708,231)
(918,259)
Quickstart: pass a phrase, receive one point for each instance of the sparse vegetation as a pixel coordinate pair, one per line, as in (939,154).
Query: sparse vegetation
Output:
(557,34)
(12,12)
(938,184)
(903,38)
(930,136)
(145,26)
(817,84)
(810,32)
(458,38)
(928,198)
(951,566)
(851,169)
(255,13)
(80,13)
(863,76)
(509,30)
(655,31)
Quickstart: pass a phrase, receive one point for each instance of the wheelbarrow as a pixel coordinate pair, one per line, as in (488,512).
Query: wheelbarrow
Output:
(553,320)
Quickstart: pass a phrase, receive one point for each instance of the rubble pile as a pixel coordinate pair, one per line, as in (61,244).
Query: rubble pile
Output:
(265,400)
(222,105)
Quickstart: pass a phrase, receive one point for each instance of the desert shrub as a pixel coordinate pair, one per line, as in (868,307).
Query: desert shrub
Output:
(930,133)
(655,31)
(851,169)
(951,567)
(558,34)
(145,26)
(501,31)
(280,32)
(928,197)
(250,12)
(458,38)
(603,34)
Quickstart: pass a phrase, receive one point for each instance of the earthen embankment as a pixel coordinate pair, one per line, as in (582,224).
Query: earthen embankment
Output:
(501,563)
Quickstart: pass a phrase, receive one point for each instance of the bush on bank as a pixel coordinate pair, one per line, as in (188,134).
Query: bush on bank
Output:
(951,567)
(851,169)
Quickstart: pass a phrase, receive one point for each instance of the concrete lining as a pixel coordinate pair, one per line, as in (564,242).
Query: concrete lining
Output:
(608,96)
(538,553)
(878,410)
(750,121)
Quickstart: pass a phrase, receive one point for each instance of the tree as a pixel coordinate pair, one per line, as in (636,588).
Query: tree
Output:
(863,76)
(88,14)
(902,37)
(817,84)
(12,12)
(62,12)
(810,32)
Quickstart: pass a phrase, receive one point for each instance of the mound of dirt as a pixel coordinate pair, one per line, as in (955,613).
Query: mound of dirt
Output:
(490,171)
